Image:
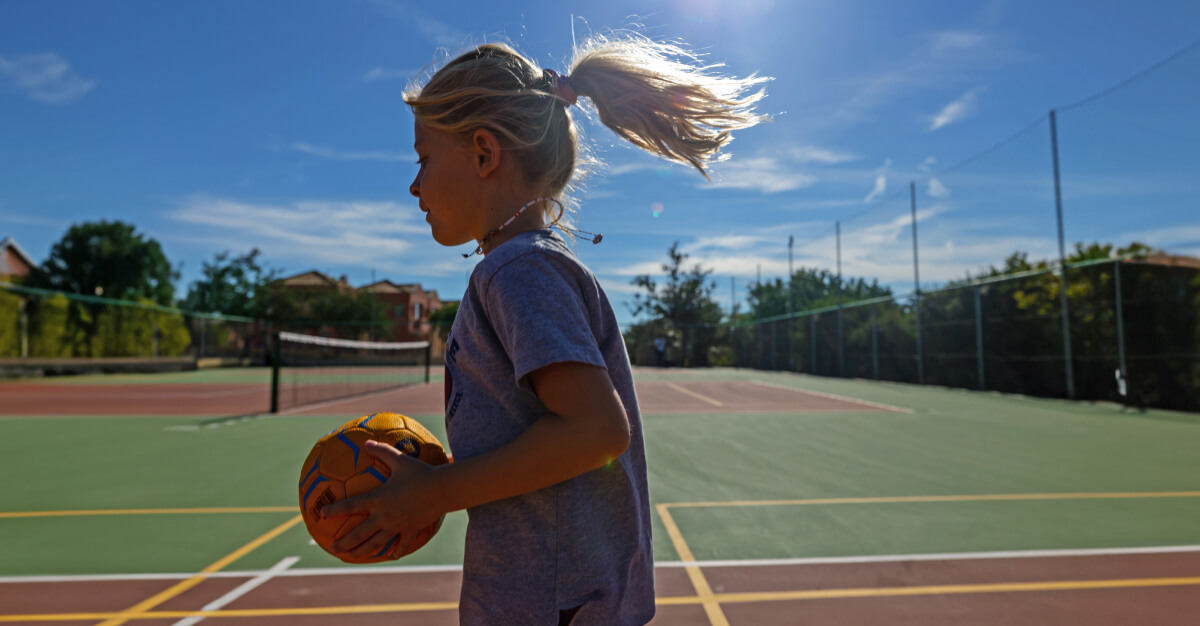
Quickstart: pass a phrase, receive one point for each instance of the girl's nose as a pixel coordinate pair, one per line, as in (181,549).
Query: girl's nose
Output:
(415,187)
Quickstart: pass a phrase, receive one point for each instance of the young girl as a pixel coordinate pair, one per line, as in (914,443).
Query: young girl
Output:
(541,413)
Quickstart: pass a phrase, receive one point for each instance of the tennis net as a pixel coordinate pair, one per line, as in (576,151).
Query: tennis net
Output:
(308,369)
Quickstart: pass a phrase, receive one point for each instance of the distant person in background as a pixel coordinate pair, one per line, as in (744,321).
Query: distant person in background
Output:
(541,414)
(660,351)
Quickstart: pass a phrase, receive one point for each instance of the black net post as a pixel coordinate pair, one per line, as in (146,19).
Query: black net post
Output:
(428,359)
(275,373)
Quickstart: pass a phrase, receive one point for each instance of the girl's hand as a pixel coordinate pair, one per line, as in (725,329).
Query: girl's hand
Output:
(401,506)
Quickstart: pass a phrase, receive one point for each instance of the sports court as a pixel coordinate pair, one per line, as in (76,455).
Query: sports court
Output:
(779,499)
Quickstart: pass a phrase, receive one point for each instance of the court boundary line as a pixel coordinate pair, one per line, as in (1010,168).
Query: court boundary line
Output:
(834,396)
(240,590)
(712,606)
(698,396)
(819,560)
(149,603)
(732,598)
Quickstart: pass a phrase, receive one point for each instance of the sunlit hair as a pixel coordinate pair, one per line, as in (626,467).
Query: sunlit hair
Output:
(656,95)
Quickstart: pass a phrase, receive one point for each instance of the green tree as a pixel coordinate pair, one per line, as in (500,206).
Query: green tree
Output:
(105,258)
(443,318)
(236,285)
(685,302)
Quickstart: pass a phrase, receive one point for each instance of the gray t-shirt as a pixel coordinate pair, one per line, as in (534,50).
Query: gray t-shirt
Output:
(584,541)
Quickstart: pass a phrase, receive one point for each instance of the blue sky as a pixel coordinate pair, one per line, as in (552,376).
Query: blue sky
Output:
(229,125)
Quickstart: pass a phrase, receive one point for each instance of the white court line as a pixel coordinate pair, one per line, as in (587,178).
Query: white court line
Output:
(832,396)
(426,569)
(694,394)
(292,411)
(240,591)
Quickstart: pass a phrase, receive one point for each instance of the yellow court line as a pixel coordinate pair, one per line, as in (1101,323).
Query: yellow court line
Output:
(694,394)
(219,564)
(711,607)
(986,497)
(190,511)
(732,598)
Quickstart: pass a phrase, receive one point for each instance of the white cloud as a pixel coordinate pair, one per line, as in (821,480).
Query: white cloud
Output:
(815,154)
(880,182)
(765,174)
(331,153)
(937,189)
(958,110)
(307,232)
(387,73)
(437,31)
(927,164)
(945,57)
(46,78)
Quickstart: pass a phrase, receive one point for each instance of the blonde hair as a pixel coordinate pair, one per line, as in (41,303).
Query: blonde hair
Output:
(656,95)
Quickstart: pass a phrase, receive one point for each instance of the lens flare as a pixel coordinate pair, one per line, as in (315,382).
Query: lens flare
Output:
(656,208)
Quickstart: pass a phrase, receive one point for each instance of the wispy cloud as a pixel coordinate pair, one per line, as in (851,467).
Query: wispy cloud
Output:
(880,186)
(388,73)
(937,189)
(958,110)
(308,232)
(765,174)
(927,164)
(434,30)
(46,78)
(342,155)
(944,57)
(816,154)
(785,170)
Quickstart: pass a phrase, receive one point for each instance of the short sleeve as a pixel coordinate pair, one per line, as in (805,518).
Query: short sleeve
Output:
(540,313)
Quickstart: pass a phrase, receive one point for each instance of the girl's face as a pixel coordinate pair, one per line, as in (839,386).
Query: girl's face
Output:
(447,186)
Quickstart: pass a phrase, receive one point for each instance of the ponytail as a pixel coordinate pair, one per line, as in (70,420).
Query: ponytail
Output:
(660,98)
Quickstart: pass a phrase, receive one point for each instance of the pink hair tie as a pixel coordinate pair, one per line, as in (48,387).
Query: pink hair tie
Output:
(562,86)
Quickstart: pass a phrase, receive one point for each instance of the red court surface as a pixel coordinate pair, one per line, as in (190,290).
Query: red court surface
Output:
(231,399)
(1106,589)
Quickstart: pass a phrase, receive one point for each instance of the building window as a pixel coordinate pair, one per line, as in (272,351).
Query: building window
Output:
(400,311)
(417,311)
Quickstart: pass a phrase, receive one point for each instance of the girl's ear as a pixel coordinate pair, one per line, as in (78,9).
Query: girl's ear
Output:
(487,152)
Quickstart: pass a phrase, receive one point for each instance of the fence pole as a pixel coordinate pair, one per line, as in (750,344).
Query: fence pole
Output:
(791,325)
(841,336)
(912,195)
(875,341)
(1123,380)
(812,343)
(979,336)
(1062,262)
(23,320)
(774,342)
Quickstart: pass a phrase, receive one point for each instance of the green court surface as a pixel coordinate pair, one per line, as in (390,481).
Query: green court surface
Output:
(962,472)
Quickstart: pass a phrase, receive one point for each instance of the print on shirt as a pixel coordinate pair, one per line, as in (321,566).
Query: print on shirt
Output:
(451,357)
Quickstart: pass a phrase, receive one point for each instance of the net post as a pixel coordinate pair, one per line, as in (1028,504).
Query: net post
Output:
(428,358)
(275,352)
(979,335)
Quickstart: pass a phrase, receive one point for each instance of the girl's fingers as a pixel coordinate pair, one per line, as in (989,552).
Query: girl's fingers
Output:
(376,546)
(349,506)
(354,538)
(384,452)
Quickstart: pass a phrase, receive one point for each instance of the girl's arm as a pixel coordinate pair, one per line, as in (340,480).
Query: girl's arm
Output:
(586,427)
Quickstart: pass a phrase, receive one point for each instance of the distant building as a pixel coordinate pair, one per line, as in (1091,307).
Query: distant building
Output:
(313,281)
(407,306)
(1170,260)
(14,262)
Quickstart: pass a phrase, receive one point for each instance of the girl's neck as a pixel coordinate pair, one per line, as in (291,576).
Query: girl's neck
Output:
(528,216)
